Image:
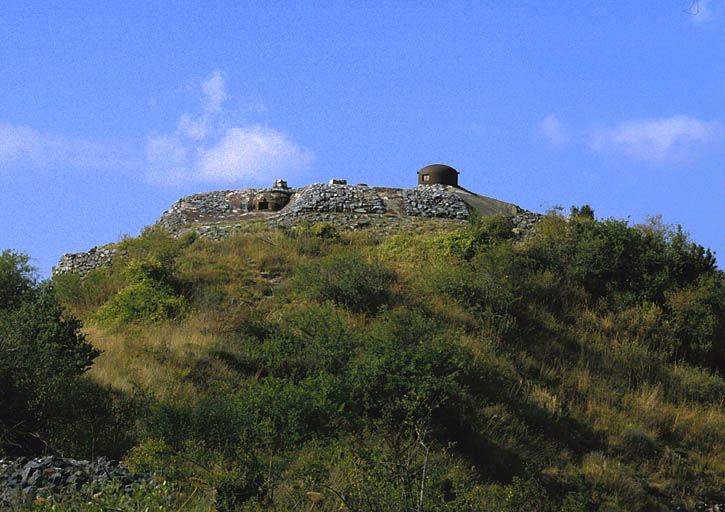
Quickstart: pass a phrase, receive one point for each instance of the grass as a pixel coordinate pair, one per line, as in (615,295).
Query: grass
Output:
(579,394)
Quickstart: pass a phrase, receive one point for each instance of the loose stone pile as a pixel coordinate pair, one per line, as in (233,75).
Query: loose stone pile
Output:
(83,262)
(525,223)
(321,197)
(221,203)
(434,201)
(24,479)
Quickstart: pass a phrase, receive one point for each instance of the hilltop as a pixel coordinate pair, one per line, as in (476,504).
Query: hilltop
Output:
(381,210)
(319,358)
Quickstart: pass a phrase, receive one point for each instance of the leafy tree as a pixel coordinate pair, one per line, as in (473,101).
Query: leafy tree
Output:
(41,351)
(16,279)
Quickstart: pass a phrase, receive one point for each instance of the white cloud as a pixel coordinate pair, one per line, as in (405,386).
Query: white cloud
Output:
(657,140)
(251,152)
(214,89)
(25,145)
(203,148)
(699,11)
(553,130)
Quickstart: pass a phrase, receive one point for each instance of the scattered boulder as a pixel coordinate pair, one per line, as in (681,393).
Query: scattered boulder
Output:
(23,479)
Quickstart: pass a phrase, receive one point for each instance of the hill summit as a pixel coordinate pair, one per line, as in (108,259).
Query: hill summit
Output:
(384,210)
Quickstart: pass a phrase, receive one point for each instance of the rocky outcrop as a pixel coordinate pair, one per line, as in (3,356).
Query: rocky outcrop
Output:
(84,262)
(434,201)
(23,479)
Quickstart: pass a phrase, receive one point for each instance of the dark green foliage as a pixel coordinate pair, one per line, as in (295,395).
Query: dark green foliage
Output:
(277,413)
(411,371)
(16,279)
(324,230)
(697,320)
(42,355)
(638,264)
(481,233)
(315,339)
(350,280)
(578,370)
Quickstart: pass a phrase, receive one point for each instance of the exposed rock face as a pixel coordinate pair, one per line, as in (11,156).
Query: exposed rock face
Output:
(434,201)
(25,479)
(83,262)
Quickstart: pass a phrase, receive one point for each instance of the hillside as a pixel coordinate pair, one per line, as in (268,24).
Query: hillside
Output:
(436,364)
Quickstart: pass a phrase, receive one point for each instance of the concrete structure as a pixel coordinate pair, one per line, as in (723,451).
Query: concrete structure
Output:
(438,174)
(271,200)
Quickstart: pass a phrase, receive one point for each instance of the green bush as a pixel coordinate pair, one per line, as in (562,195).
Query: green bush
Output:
(480,234)
(312,340)
(324,230)
(140,302)
(151,295)
(17,279)
(350,280)
(411,370)
(42,353)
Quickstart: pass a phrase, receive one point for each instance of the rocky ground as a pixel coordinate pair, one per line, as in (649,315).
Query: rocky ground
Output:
(24,479)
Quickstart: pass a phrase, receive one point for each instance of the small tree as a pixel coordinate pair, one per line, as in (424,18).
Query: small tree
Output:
(41,350)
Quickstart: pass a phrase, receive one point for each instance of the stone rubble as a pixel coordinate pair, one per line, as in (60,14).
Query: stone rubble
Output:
(525,224)
(23,479)
(84,262)
(321,197)
(220,203)
(219,214)
(434,201)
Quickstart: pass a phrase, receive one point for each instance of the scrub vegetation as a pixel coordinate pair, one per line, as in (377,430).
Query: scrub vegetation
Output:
(305,369)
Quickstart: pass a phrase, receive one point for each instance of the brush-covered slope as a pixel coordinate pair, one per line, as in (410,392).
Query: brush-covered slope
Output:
(439,370)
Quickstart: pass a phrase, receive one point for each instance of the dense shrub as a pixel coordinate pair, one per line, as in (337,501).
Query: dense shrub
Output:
(150,296)
(42,353)
(312,340)
(350,280)
(17,279)
(411,370)
(481,233)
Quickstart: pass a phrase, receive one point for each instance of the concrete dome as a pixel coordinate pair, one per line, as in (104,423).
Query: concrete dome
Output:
(438,174)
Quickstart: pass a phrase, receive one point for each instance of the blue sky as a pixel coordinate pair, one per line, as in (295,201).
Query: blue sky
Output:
(110,111)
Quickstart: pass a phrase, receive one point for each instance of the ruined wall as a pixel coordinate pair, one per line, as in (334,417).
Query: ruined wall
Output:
(84,262)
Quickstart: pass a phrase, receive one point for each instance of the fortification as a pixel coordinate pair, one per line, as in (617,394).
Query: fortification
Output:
(438,174)
(382,210)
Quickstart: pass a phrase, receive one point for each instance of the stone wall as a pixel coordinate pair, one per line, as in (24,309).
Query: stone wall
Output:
(204,206)
(321,198)
(83,262)
(434,201)
(525,224)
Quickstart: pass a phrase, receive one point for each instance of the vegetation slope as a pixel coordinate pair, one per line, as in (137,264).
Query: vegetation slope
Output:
(305,369)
